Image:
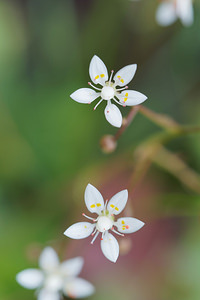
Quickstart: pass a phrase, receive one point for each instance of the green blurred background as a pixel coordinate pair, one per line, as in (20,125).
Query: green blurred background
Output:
(50,144)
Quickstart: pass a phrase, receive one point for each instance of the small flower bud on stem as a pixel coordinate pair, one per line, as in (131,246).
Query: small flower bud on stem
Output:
(108,143)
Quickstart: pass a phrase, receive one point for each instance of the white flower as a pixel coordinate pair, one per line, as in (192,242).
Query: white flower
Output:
(99,75)
(105,221)
(54,278)
(170,10)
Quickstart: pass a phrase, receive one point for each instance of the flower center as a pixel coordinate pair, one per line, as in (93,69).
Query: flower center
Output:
(54,282)
(104,223)
(107,92)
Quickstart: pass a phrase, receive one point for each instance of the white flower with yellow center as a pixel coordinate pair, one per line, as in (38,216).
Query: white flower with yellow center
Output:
(99,75)
(54,278)
(170,10)
(105,221)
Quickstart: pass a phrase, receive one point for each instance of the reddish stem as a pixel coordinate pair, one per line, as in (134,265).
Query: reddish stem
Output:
(126,122)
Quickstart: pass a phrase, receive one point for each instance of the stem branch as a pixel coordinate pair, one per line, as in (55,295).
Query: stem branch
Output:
(127,121)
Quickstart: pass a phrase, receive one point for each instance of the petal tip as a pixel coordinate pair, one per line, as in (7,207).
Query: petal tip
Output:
(89,185)
(71,95)
(145,97)
(17,278)
(135,66)
(66,232)
(114,260)
(94,57)
(125,192)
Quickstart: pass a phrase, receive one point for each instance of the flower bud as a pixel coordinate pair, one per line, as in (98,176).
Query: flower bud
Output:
(108,143)
(125,246)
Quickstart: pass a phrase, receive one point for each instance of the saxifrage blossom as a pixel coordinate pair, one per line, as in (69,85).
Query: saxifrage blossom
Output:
(105,221)
(109,91)
(170,10)
(54,278)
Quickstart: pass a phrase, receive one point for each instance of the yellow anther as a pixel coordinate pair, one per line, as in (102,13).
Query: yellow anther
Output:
(122,80)
(85,227)
(96,77)
(118,77)
(111,205)
(102,75)
(123,222)
(126,94)
(125,99)
(98,204)
(116,208)
(92,206)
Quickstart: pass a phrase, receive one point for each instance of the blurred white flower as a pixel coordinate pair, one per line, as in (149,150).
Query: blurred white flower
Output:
(170,10)
(54,278)
(99,75)
(105,221)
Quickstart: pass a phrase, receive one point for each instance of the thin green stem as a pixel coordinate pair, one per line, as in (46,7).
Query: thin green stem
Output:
(161,120)
(147,151)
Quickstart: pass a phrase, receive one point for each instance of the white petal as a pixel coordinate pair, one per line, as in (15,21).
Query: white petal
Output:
(117,202)
(110,247)
(130,97)
(48,260)
(93,199)
(113,115)
(78,288)
(166,13)
(185,12)
(125,75)
(72,267)
(30,278)
(98,71)
(128,225)
(46,294)
(84,95)
(79,230)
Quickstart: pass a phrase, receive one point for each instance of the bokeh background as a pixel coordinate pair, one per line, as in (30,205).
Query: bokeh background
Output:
(50,144)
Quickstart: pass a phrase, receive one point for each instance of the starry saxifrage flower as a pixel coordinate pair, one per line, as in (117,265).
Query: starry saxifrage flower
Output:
(105,221)
(170,10)
(109,91)
(54,278)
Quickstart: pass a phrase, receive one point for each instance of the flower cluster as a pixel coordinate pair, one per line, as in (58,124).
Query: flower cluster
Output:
(109,91)
(170,10)
(105,221)
(54,278)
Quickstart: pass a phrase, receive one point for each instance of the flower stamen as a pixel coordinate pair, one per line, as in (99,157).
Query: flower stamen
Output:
(98,104)
(122,89)
(105,207)
(94,238)
(94,87)
(102,236)
(111,75)
(94,232)
(118,102)
(117,232)
(94,220)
